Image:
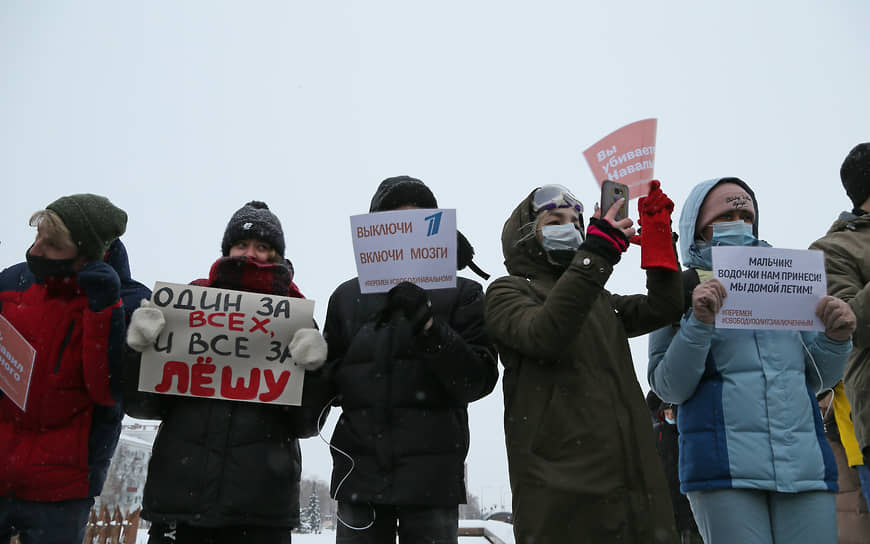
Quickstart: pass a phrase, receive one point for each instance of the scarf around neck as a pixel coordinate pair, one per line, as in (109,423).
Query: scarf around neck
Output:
(244,274)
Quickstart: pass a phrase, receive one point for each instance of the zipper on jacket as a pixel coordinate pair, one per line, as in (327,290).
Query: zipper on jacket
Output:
(63,345)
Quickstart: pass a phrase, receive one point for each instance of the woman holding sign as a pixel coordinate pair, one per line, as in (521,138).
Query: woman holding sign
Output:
(583,464)
(754,461)
(227,471)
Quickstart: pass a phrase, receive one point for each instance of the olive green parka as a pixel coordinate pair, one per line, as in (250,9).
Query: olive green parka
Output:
(847,267)
(582,459)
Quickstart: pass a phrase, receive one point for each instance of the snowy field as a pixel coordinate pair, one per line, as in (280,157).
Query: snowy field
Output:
(501,530)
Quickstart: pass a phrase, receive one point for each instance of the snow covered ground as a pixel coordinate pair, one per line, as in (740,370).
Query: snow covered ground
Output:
(501,530)
(323,538)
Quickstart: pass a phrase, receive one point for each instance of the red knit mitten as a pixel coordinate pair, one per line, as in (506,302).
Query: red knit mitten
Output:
(655,239)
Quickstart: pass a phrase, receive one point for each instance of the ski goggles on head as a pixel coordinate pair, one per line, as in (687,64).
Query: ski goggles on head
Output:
(554,196)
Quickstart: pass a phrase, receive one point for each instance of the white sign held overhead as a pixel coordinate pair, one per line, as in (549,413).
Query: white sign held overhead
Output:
(769,288)
(416,245)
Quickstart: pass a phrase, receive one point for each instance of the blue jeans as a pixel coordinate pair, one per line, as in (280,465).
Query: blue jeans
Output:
(61,522)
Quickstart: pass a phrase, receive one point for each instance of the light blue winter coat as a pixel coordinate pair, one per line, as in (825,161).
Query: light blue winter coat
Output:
(748,416)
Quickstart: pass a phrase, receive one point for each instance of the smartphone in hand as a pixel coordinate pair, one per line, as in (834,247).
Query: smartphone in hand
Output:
(611,191)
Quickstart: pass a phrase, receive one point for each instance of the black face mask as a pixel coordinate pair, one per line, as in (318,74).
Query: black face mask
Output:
(50,268)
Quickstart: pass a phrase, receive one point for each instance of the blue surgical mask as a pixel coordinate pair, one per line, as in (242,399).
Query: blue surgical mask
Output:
(671,420)
(733,233)
(701,254)
(725,233)
(561,237)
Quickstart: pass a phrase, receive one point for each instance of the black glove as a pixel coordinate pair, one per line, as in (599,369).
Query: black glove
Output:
(605,240)
(101,285)
(411,301)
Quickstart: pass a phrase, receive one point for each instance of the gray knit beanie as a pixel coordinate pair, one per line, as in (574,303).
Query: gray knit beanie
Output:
(254,220)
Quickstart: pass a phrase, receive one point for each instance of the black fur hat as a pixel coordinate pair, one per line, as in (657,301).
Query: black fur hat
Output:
(855,174)
(254,220)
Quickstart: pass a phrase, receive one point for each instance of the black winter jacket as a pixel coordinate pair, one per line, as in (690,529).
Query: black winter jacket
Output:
(667,444)
(219,463)
(404,398)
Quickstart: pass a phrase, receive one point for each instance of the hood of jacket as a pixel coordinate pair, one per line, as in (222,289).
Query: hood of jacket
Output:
(132,292)
(692,208)
(523,254)
(850,221)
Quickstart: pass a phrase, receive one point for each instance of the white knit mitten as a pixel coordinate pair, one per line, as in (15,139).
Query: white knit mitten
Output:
(308,349)
(145,325)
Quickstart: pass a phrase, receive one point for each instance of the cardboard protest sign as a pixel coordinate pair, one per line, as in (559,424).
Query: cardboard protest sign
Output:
(418,246)
(627,155)
(768,288)
(224,344)
(16,364)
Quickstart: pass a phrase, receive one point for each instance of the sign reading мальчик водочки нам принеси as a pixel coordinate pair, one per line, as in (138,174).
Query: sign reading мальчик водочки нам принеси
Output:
(770,288)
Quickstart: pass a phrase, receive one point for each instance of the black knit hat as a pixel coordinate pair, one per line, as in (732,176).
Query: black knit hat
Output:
(401,191)
(653,402)
(254,220)
(93,221)
(855,174)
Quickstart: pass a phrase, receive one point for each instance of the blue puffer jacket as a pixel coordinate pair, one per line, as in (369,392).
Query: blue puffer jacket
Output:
(748,416)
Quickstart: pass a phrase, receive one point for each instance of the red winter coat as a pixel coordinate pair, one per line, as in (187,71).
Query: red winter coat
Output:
(45,450)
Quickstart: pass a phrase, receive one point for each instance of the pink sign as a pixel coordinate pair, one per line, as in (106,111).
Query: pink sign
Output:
(627,155)
(16,363)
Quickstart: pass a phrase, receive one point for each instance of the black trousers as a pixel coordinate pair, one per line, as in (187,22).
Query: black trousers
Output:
(362,523)
(179,533)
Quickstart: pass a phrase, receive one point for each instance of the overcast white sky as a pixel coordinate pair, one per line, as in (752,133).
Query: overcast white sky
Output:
(181,112)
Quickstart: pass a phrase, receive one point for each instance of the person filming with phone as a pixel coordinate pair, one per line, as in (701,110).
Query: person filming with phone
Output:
(581,455)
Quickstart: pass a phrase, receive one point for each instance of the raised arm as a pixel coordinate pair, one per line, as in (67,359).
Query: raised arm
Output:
(519,316)
(662,305)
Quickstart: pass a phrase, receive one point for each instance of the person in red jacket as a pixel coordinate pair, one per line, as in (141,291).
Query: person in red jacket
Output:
(65,301)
